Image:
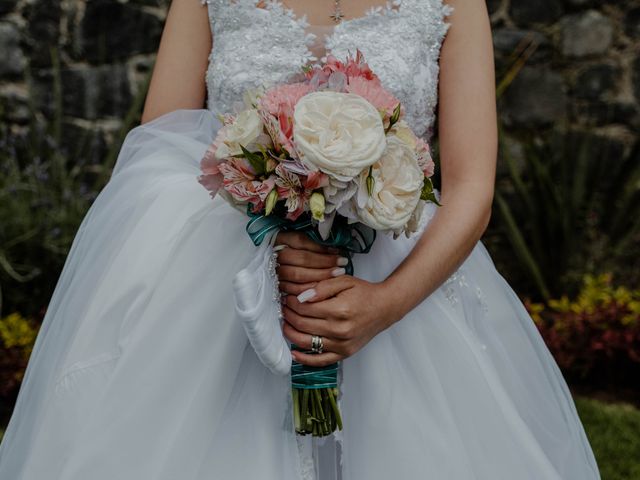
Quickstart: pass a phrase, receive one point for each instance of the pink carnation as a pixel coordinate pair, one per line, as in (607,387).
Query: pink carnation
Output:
(375,94)
(276,109)
(425,161)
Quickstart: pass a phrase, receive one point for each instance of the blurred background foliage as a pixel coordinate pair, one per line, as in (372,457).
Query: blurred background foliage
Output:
(565,230)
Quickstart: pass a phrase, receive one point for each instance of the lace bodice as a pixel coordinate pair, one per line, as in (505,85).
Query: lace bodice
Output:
(263,42)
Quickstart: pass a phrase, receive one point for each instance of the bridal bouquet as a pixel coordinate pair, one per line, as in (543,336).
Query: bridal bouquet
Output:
(329,155)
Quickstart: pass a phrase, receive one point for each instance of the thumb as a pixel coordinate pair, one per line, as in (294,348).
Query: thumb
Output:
(326,289)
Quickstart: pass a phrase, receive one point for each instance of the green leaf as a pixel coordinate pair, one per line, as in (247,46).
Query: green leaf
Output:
(520,245)
(256,161)
(427,193)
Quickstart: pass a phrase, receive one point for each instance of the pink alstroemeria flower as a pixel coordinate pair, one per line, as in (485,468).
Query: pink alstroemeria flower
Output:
(211,177)
(291,190)
(296,189)
(315,180)
(240,181)
(352,68)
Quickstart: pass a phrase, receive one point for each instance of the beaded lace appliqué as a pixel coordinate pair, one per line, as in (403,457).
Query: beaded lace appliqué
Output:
(457,285)
(257,43)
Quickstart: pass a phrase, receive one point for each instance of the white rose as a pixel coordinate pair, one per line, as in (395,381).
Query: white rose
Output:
(396,191)
(246,130)
(338,133)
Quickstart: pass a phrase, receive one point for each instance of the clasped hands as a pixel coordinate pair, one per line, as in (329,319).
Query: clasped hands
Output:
(320,299)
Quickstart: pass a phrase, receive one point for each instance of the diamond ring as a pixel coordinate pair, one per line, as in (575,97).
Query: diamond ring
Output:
(316,344)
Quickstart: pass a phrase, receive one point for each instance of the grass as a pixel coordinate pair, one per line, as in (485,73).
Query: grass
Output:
(614,433)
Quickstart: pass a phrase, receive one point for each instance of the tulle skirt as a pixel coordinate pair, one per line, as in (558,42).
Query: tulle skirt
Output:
(141,369)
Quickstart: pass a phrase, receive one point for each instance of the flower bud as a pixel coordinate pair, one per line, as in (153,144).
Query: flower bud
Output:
(371,182)
(270,202)
(270,165)
(317,205)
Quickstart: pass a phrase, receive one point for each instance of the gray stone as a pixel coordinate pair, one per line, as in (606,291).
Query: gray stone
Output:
(538,11)
(506,41)
(95,92)
(110,30)
(632,23)
(14,106)
(636,78)
(7,6)
(600,113)
(580,3)
(43,18)
(12,57)
(585,34)
(152,3)
(493,5)
(596,81)
(88,92)
(536,98)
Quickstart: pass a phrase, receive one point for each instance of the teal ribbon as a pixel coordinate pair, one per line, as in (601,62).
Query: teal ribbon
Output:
(348,237)
(311,378)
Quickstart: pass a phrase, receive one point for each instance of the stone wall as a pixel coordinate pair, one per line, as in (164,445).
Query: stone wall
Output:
(89,60)
(582,74)
(81,63)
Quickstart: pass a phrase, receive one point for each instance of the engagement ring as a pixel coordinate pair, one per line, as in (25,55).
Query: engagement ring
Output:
(316,344)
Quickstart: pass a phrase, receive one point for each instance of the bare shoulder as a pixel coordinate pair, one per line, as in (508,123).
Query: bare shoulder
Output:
(178,78)
(468,19)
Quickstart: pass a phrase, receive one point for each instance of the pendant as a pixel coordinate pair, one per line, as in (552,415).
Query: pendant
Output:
(337,14)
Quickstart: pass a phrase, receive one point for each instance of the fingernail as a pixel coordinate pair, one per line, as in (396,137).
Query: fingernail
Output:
(277,248)
(338,271)
(307,295)
(342,261)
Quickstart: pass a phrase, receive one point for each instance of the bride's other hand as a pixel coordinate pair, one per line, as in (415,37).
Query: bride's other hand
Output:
(347,312)
(303,263)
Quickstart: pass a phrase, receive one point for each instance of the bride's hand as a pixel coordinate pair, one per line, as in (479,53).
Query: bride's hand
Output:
(303,263)
(347,312)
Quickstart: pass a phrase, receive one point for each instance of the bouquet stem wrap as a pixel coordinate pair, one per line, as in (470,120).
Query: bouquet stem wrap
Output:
(315,389)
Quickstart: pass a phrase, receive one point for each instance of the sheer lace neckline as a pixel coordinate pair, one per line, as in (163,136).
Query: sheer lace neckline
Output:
(320,36)
(391,5)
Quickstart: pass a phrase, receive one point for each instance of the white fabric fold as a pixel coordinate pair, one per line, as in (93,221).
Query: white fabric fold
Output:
(259,308)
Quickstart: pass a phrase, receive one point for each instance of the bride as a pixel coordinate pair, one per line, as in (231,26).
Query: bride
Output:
(142,370)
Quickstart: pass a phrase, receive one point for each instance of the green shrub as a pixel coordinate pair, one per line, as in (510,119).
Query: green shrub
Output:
(43,198)
(45,191)
(17,337)
(594,337)
(573,208)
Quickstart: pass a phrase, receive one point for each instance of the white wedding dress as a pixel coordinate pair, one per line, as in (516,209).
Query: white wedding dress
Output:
(143,371)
